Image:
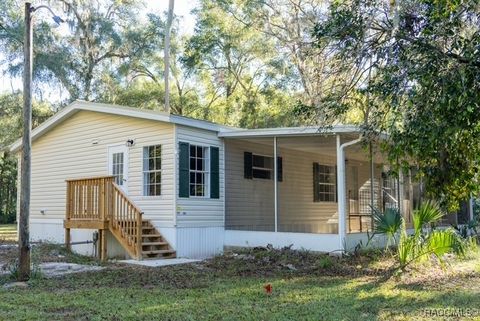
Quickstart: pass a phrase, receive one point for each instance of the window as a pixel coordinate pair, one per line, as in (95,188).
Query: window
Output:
(257,166)
(199,170)
(152,170)
(262,166)
(117,168)
(324,183)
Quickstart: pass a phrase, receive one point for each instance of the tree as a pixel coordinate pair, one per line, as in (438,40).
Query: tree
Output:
(140,83)
(167,54)
(418,61)
(104,35)
(10,116)
(235,68)
(310,73)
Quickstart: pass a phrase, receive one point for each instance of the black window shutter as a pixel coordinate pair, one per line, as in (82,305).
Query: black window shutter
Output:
(184,167)
(247,165)
(279,169)
(214,173)
(316,196)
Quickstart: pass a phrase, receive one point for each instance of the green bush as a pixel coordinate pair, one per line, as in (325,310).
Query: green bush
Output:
(426,240)
(387,223)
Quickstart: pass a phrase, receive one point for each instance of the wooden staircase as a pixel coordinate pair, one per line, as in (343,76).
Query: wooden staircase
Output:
(101,204)
(154,245)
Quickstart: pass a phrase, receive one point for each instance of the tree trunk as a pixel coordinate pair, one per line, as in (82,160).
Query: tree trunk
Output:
(167,55)
(24,233)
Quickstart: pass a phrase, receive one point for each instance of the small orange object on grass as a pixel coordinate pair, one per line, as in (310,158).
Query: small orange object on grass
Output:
(268,288)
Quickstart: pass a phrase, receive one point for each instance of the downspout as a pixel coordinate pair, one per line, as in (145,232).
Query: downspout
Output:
(275,180)
(341,183)
(175,178)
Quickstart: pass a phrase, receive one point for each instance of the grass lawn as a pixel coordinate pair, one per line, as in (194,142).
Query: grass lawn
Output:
(8,233)
(231,287)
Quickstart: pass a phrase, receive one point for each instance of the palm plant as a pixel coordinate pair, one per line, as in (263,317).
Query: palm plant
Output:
(425,239)
(425,242)
(387,223)
(427,214)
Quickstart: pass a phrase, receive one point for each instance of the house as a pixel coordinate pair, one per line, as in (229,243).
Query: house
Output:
(144,184)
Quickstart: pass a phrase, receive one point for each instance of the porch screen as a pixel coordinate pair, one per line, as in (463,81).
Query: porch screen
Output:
(249,185)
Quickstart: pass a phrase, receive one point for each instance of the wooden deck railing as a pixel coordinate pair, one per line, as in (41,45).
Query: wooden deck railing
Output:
(99,199)
(87,198)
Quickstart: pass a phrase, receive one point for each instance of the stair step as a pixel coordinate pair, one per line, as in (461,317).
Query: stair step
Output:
(158,252)
(148,228)
(151,235)
(154,243)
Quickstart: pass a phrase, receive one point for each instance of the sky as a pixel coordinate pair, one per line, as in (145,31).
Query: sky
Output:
(182,8)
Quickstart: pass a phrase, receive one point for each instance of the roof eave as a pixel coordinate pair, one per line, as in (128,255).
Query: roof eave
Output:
(292,131)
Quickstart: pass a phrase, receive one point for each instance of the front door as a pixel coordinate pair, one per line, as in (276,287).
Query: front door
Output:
(118,165)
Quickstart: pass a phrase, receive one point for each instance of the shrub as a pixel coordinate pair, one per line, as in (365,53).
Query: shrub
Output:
(426,240)
(387,223)
(325,262)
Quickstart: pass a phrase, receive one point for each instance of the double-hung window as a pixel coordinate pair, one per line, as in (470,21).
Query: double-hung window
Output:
(324,183)
(152,170)
(199,170)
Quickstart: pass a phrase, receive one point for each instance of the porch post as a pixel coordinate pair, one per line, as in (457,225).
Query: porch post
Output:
(372,190)
(275,181)
(470,209)
(341,192)
(400,192)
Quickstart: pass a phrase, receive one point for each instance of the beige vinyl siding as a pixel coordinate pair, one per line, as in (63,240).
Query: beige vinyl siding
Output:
(250,202)
(200,211)
(68,151)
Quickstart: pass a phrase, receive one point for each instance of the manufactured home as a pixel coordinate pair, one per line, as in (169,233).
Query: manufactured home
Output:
(144,184)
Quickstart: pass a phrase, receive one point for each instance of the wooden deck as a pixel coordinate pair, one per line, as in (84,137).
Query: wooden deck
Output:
(98,203)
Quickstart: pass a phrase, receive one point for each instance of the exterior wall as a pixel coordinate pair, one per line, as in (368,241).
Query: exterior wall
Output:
(298,241)
(68,151)
(199,211)
(361,239)
(199,221)
(53,231)
(200,242)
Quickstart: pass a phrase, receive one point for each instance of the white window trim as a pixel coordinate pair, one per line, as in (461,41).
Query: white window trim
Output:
(334,184)
(206,183)
(152,171)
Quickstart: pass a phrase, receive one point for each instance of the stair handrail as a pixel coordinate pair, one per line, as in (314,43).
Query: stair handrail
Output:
(127,216)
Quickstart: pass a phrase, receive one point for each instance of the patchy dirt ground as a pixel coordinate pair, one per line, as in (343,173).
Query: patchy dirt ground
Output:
(268,261)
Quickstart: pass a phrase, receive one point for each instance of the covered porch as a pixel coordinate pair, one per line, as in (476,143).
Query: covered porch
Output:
(313,189)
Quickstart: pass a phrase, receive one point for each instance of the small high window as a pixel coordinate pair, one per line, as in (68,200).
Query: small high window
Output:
(152,170)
